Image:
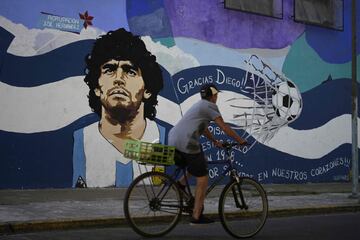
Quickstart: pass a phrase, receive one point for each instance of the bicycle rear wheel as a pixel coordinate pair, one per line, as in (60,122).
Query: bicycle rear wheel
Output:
(243,218)
(153,204)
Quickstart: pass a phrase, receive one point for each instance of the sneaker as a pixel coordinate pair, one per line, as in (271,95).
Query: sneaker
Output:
(202,220)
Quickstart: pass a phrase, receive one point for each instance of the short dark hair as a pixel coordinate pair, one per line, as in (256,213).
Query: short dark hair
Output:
(123,45)
(206,91)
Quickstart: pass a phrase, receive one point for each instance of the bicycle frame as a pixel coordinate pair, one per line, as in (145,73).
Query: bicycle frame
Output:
(230,170)
(236,196)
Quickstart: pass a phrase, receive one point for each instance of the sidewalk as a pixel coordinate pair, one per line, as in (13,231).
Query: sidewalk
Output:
(47,209)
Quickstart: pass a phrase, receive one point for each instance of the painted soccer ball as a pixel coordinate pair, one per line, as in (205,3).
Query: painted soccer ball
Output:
(286,100)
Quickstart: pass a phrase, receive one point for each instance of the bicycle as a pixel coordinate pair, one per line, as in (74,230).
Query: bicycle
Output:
(154,202)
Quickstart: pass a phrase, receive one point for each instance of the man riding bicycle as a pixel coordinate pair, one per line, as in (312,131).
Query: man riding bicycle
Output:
(185,136)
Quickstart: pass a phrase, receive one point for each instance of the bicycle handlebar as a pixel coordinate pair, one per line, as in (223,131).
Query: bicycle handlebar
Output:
(229,145)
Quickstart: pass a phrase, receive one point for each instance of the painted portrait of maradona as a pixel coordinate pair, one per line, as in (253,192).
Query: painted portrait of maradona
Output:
(124,80)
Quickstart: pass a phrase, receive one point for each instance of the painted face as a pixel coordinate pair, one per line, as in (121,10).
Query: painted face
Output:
(121,85)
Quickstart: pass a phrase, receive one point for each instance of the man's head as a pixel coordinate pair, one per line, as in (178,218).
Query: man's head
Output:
(209,92)
(121,74)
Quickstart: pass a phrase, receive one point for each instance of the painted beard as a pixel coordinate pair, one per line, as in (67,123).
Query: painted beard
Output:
(121,113)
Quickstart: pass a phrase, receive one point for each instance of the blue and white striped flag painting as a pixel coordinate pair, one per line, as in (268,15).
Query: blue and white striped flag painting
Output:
(43,100)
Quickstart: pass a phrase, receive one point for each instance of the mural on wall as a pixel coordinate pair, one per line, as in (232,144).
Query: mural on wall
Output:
(124,80)
(70,94)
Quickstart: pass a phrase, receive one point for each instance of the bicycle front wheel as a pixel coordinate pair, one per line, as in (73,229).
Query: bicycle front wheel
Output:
(153,204)
(243,208)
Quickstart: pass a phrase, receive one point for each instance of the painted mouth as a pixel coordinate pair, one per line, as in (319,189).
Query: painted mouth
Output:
(118,91)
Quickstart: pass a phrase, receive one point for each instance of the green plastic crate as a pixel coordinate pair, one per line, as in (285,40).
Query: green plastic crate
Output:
(153,153)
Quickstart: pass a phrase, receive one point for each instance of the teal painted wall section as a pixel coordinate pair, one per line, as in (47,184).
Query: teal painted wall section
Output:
(313,70)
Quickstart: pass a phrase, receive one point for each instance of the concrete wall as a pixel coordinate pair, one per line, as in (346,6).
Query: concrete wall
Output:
(286,88)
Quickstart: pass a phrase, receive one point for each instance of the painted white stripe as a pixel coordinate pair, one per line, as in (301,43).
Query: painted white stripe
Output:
(43,108)
(310,144)
(56,105)
(314,143)
(168,111)
(52,106)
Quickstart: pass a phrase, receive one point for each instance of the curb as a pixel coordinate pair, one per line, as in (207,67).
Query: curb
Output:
(63,224)
(313,210)
(34,226)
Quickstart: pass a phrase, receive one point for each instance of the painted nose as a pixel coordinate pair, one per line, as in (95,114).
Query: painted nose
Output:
(119,77)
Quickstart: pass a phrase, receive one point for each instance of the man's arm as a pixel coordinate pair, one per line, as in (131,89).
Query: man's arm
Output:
(209,136)
(228,130)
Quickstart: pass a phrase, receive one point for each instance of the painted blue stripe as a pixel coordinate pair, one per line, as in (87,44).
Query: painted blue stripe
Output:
(124,174)
(5,41)
(325,102)
(44,160)
(79,166)
(63,62)
(168,91)
(39,160)
(189,81)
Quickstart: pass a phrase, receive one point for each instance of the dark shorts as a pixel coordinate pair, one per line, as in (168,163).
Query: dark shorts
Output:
(196,163)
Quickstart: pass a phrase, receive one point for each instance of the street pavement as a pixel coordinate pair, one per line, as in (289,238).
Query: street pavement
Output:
(50,209)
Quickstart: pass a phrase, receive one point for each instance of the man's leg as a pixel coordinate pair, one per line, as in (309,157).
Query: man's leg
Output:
(182,179)
(201,185)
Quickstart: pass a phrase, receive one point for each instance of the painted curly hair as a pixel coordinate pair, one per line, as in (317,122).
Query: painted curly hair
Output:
(123,45)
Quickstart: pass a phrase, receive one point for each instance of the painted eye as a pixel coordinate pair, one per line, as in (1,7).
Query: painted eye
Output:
(108,71)
(132,73)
